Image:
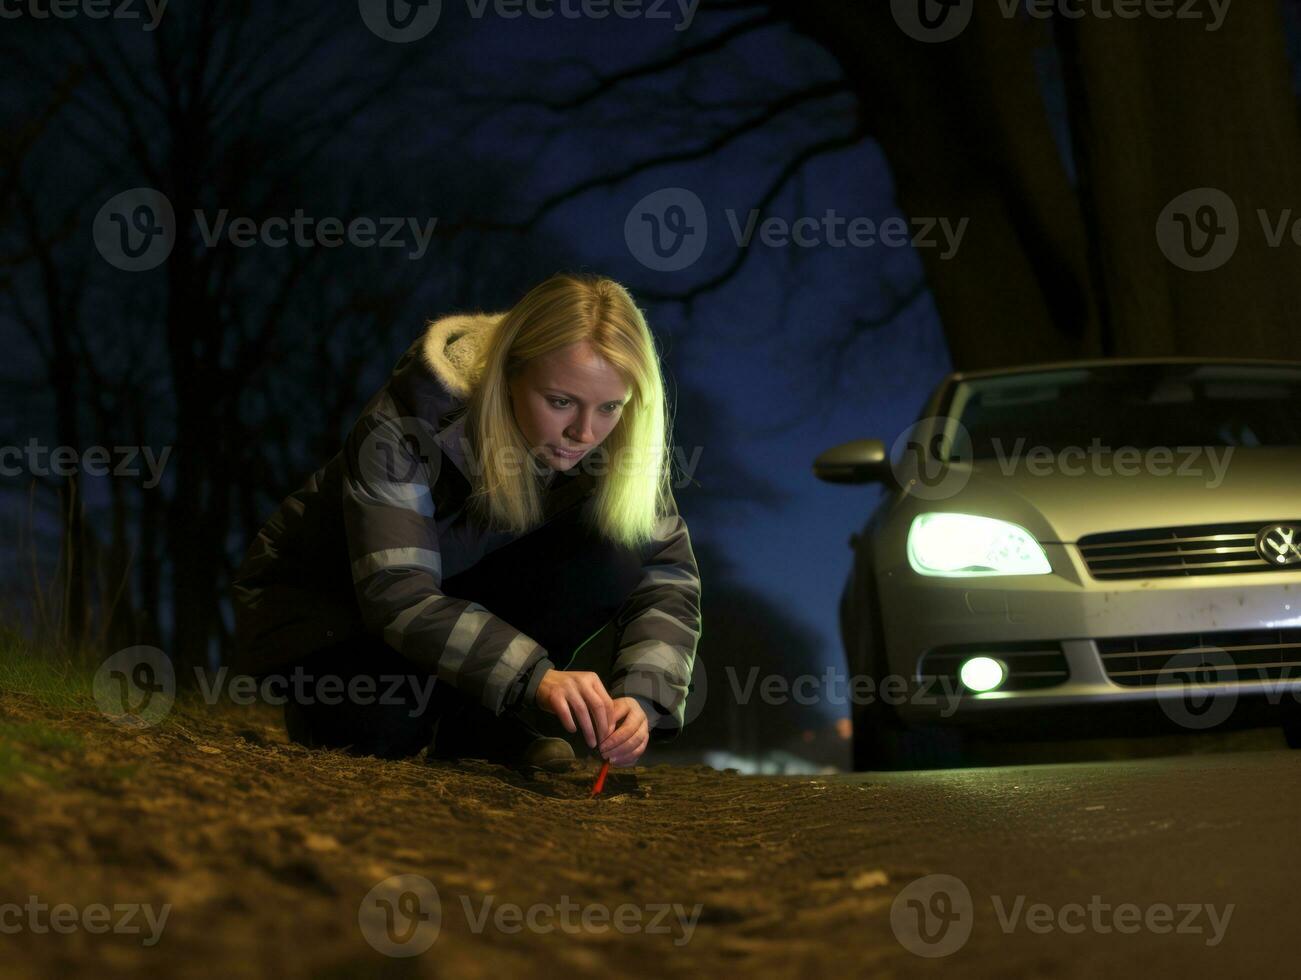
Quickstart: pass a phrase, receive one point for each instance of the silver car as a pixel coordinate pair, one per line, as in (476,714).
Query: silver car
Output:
(1064,536)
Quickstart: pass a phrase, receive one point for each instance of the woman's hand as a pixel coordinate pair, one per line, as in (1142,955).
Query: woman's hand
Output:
(579,700)
(631,735)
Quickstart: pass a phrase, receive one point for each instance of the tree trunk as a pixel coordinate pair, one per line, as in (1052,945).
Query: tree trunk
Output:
(1158,108)
(1168,107)
(964,126)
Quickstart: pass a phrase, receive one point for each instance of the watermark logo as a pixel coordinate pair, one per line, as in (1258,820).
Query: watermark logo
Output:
(1120,461)
(400,458)
(1212,12)
(1200,704)
(834,687)
(666,687)
(97,918)
(667,229)
(924,455)
(1199,230)
(90,9)
(399,461)
(932,916)
(932,21)
(136,230)
(1103,918)
(403,21)
(401,916)
(400,21)
(135,687)
(304,231)
(835,230)
(413,691)
(93,461)
(937,21)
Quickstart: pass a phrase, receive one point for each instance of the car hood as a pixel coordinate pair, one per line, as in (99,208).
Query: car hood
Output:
(1068,496)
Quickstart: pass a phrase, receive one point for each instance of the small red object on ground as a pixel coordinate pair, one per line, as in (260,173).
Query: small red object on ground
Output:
(600,778)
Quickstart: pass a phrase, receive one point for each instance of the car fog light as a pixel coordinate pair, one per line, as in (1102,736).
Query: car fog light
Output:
(982,674)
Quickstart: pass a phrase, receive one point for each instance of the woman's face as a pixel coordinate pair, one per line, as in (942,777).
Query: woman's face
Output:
(569,399)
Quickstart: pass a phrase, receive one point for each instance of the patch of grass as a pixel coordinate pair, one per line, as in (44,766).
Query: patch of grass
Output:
(39,736)
(54,681)
(18,739)
(65,682)
(13,764)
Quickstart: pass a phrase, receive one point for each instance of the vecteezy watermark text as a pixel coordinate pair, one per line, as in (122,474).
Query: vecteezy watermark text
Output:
(93,461)
(667,230)
(836,688)
(90,9)
(404,21)
(934,916)
(933,457)
(329,232)
(136,230)
(937,21)
(833,230)
(96,917)
(1106,461)
(402,916)
(306,687)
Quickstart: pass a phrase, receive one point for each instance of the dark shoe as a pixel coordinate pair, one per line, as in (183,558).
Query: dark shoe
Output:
(551,754)
(297,726)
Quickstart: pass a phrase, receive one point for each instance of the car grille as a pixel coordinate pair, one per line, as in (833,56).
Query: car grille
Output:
(1233,657)
(1202,549)
(1030,664)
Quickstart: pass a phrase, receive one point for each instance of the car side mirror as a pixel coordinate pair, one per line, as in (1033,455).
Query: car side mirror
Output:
(860,461)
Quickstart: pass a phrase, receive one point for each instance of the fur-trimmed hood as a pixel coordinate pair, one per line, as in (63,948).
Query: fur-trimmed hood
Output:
(452,349)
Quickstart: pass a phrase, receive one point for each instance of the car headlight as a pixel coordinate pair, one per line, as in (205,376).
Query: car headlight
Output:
(964,544)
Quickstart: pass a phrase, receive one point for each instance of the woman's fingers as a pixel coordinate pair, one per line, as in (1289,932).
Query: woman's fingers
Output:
(560,708)
(630,738)
(626,730)
(622,723)
(601,708)
(633,751)
(581,702)
(579,706)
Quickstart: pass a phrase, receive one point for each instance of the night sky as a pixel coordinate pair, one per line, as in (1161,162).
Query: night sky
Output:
(774,364)
(759,346)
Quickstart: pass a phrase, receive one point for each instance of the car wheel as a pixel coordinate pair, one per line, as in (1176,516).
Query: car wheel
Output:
(881,740)
(1292,725)
(883,743)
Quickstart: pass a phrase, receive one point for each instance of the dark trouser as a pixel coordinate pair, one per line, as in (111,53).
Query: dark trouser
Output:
(559,584)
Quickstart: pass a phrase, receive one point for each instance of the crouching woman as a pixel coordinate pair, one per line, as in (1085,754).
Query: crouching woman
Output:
(500,500)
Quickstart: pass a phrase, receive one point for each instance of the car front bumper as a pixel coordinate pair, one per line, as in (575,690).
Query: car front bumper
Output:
(1079,617)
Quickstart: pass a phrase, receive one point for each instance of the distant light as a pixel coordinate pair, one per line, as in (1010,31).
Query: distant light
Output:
(982,674)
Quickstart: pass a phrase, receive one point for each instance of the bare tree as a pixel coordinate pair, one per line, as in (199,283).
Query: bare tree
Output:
(218,109)
(1060,258)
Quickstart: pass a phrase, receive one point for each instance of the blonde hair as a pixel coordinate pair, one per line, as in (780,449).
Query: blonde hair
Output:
(633,481)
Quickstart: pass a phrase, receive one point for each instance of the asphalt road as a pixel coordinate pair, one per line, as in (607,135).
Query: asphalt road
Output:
(1182,866)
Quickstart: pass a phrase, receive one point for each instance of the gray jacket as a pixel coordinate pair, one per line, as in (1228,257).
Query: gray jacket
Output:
(362,547)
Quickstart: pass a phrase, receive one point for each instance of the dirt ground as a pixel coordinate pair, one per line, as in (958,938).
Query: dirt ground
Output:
(270,855)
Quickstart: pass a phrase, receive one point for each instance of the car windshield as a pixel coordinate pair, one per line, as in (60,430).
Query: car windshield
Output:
(1144,405)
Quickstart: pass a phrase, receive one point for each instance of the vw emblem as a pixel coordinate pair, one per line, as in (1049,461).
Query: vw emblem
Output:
(1279,544)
